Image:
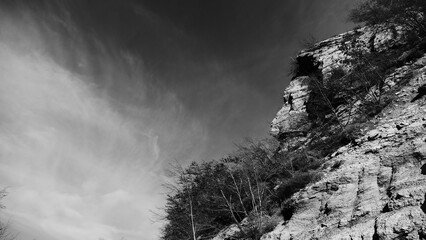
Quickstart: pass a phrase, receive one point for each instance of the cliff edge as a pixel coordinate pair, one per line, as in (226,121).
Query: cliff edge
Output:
(373,186)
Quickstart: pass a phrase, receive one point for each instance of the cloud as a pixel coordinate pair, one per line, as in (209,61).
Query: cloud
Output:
(83,151)
(68,157)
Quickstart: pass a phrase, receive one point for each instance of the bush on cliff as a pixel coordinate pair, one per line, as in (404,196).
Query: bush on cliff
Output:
(408,13)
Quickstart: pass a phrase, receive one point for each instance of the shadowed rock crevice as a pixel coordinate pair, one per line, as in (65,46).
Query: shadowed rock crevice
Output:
(375,235)
(305,66)
(287,211)
(327,210)
(421,91)
(423,168)
(423,207)
(386,208)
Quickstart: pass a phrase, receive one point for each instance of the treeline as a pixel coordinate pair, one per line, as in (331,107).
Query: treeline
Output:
(4,233)
(253,184)
(409,14)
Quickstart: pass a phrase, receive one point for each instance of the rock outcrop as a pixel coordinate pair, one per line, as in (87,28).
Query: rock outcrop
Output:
(379,186)
(375,187)
(321,59)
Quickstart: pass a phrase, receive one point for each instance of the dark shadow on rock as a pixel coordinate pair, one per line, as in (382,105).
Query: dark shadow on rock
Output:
(386,208)
(423,168)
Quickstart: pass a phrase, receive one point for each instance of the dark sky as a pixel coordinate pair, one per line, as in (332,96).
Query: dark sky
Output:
(132,85)
(225,61)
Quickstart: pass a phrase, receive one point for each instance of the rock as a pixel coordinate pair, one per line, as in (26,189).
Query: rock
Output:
(378,190)
(288,121)
(246,225)
(322,58)
(376,196)
(421,91)
(228,233)
(373,134)
(375,187)
(408,223)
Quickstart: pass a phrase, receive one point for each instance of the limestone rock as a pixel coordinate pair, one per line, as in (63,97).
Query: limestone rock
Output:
(235,231)
(375,187)
(380,185)
(321,59)
(378,188)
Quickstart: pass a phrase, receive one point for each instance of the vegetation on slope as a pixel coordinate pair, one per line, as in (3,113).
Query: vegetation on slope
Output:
(254,181)
(4,233)
(407,13)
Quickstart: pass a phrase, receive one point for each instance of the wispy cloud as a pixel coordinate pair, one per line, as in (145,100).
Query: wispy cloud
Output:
(97,97)
(81,159)
(75,167)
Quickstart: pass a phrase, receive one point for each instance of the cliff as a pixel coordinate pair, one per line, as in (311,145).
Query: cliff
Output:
(324,57)
(373,187)
(349,156)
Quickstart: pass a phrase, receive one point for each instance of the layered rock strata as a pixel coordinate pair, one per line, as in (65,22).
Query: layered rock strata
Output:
(375,188)
(292,119)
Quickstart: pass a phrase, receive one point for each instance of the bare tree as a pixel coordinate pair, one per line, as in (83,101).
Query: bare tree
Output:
(4,233)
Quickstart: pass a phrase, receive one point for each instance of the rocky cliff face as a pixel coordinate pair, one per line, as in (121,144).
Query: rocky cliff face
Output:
(322,58)
(375,187)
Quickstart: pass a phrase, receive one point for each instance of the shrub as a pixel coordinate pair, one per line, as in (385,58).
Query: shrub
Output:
(287,209)
(270,224)
(218,193)
(4,232)
(309,42)
(408,13)
(299,180)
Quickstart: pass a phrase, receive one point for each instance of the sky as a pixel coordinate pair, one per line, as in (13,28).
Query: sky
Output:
(99,97)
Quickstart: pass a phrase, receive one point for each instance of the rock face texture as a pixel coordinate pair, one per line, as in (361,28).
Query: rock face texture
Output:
(322,58)
(374,188)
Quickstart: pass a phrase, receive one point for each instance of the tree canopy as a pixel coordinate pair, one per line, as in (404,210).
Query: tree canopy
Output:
(408,13)
(252,183)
